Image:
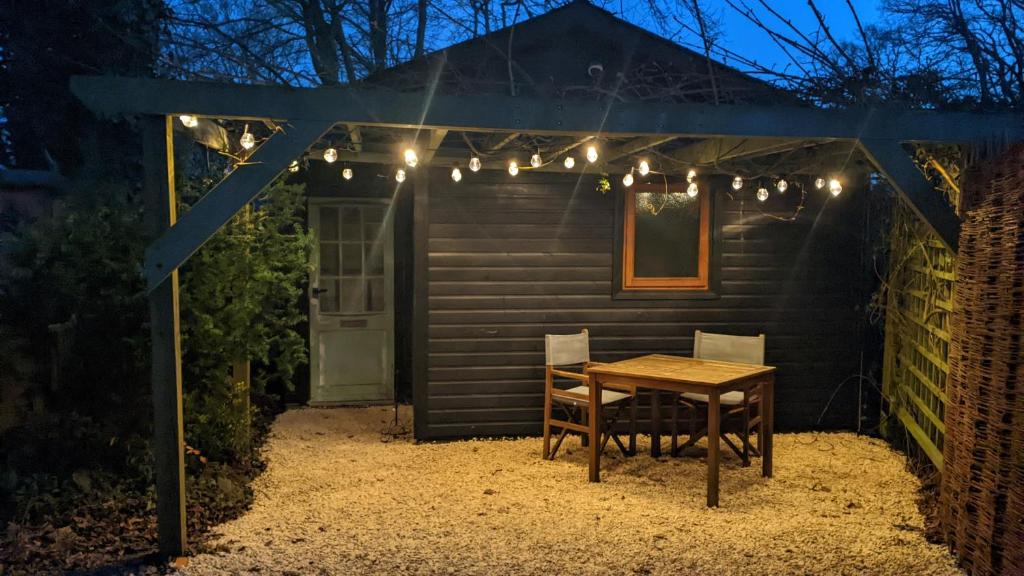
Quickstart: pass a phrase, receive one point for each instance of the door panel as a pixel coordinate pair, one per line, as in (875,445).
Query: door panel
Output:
(351,302)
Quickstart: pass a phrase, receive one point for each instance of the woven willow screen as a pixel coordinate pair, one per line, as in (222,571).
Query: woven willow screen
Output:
(919,300)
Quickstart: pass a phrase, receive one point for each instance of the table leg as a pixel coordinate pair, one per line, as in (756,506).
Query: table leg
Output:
(714,426)
(594,423)
(655,424)
(767,424)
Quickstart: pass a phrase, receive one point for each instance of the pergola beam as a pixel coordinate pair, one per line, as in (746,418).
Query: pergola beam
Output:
(714,150)
(910,183)
(635,145)
(193,229)
(115,96)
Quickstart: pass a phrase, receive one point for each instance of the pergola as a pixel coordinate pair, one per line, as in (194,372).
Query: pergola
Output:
(306,115)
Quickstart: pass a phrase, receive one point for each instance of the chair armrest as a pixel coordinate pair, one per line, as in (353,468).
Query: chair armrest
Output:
(571,375)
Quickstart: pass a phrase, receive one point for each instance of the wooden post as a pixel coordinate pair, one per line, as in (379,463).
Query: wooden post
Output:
(168,441)
(420,304)
(714,452)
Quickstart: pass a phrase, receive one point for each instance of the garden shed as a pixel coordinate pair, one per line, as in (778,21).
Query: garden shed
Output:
(454,232)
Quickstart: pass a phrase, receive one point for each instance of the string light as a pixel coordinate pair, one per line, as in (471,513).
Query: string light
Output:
(189,120)
(247,140)
(762,193)
(513,168)
(835,187)
(400,175)
(819,183)
(691,175)
(294,166)
(782,185)
(411,159)
(330,155)
(346,173)
(535,161)
(644,168)
(456,173)
(591,153)
(569,162)
(627,180)
(737,183)
(474,164)
(692,190)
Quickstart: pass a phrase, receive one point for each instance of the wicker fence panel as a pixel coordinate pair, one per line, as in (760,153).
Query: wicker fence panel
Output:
(919,299)
(982,494)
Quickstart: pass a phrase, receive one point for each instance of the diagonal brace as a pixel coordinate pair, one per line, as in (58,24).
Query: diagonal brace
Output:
(194,228)
(895,164)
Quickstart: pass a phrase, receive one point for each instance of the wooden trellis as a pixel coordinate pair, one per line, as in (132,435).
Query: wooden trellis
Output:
(918,305)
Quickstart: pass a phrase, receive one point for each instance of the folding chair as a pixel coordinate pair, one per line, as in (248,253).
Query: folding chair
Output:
(742,406)
(574,403)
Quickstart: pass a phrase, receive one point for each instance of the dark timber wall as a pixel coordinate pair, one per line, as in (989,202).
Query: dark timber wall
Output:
(513,259)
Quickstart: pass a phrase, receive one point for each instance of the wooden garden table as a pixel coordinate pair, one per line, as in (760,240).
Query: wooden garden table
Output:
(658,372)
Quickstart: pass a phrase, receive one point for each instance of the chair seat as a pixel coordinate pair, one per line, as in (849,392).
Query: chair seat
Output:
(734,398)
(607,396)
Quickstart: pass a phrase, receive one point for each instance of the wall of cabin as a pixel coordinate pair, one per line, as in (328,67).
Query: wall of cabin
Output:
(513,259)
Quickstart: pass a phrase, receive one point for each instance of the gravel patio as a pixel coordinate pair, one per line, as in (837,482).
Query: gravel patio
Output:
(339,498)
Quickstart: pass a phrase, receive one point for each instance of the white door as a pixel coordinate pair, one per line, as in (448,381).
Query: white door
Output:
(351,308)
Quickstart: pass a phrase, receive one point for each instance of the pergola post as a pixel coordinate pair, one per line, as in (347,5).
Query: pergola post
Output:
(168,427)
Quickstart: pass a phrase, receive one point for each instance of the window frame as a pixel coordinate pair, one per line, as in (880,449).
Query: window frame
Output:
(689,286)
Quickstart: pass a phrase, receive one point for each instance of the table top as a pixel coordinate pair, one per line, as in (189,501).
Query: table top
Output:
(682,369)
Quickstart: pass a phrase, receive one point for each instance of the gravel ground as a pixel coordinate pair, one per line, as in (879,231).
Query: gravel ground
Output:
(338,500)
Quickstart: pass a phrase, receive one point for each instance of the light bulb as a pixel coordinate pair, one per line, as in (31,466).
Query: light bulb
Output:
(330,155)
(400,175)
(474,164)
(692,190)
(819,183)
(535,161)
(247,140)
(627,180)
(762,193)
(569,162)
(513,168)
(189,120)
(691,175)
(294,166)
(346,173)
(456,174)
(782,185)
(644,168)
(737,183)
(411,159)
(591,154)
(835,187)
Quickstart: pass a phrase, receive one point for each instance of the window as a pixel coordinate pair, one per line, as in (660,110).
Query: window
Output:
(666,239)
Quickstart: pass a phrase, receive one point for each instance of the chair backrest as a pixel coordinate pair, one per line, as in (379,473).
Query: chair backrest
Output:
(745,349)
(567,349)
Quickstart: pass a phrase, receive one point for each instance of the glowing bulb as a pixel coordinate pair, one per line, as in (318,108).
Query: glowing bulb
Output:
(456,174)
(782,185)
(346,173)
(644,168)
(189,121)
(411,159)
(294,166)
(535,161)
(513,168)
(835,187)
(692,190)
(627,180)
(474,164)
(762,193)
(569,162)
(330,155)
(691,175)
(591,154)
(819,183)
(247,140)
(737,183)
(400,175)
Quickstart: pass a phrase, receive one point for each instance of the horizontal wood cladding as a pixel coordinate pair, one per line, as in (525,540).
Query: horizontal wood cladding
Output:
(510,260)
